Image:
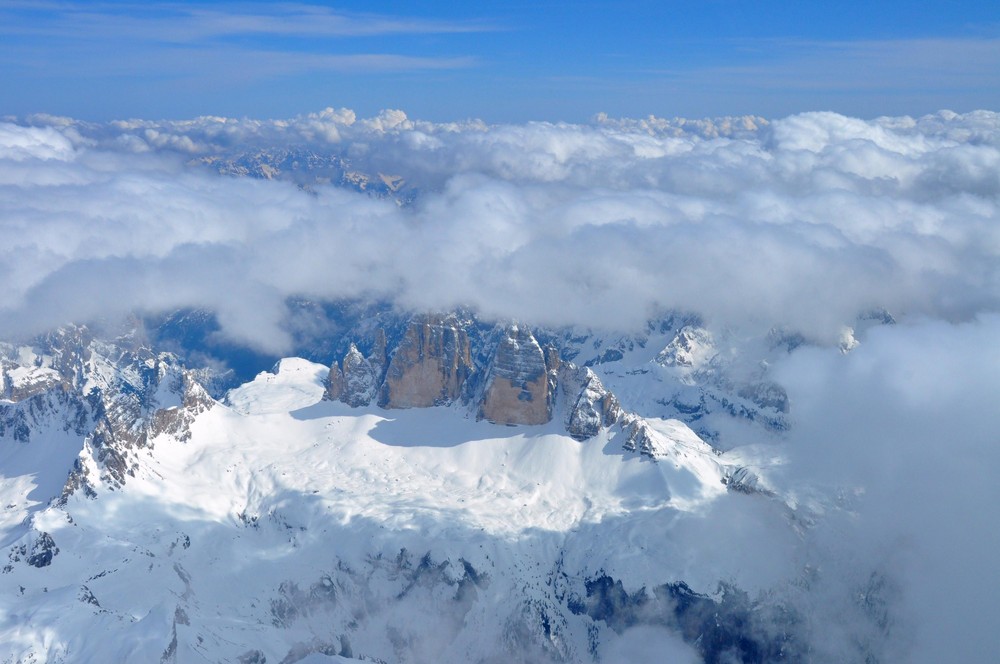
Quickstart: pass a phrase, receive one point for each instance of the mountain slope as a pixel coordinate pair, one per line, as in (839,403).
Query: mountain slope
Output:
(286,524)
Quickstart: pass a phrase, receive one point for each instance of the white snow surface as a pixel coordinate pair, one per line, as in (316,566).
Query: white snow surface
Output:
(227,542)
(24,376)
(295,383)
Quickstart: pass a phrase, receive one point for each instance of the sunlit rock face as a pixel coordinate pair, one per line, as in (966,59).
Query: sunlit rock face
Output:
(520,388)
(429,366)
(503,375)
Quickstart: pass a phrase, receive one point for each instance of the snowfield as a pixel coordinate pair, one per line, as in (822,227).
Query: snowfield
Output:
(287,523)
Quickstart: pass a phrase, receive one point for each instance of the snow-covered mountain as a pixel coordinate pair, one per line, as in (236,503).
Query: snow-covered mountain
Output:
(445,489)
(309,169)
(332,388)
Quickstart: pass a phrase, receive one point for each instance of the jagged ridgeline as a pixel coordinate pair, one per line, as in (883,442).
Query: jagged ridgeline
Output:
(122,390)
(504,372)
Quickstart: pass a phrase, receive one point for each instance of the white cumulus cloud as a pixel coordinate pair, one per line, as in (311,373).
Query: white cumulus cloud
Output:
(803,222)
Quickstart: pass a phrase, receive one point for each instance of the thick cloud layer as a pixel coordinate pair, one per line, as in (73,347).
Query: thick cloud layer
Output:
(906,427)
(803,222)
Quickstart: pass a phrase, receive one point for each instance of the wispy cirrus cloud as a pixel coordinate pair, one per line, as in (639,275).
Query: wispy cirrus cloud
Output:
(179,23)
(896,74)
(201,42)
(864,65)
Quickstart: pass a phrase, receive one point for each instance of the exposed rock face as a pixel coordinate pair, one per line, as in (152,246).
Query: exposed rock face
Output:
(519,389)
(509,380)
(378,356)
(429,366)
(176,420)
(35,551)
(34,396)
(355,381)
(590,406)
(42,551)
(141,395)
(116,395)
(59,406)
(640,437)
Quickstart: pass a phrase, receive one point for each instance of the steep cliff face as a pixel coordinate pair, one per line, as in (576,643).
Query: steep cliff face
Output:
(115,396)
(504,376)
(135,395)
(18,383)
(355,380)
(429,366)
(520,386)
(512,374)
(58,406)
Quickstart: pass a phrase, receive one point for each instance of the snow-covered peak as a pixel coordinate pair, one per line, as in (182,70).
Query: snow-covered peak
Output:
(691,349)
(294,383)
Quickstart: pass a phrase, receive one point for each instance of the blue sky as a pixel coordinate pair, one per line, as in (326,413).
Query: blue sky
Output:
(500,61)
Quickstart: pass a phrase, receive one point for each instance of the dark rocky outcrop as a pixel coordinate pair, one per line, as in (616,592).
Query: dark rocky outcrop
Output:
(355,380)
(37,551)
(728,627)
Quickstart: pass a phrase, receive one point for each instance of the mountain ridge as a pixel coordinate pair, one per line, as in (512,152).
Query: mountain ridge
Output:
(348,498)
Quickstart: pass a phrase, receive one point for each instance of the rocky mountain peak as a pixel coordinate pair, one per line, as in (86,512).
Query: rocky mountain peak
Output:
(505,375)
(691,348)
(519,388)
(117,395)
(591,406)
(429,366)
(355,380)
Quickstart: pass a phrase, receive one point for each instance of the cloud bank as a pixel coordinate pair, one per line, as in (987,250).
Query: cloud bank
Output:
(906,427)
(803,222)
